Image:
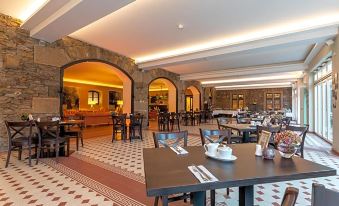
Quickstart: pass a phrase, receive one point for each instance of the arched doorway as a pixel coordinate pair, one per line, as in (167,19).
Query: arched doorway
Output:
(94,85)
(162,97)
(192,99)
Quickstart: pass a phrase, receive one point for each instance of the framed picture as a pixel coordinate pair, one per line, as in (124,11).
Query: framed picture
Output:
(264,139)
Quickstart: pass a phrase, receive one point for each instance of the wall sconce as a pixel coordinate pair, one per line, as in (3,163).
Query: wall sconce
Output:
(120,102)
(92,102)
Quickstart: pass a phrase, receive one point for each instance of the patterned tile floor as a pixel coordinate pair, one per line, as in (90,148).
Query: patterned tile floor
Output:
(52,187)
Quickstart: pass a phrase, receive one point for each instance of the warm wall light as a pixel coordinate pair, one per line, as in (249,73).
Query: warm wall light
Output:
(92,102)
(34,6)
(292,75)
(120,102)
(280,29)
(254,85)
(92,83)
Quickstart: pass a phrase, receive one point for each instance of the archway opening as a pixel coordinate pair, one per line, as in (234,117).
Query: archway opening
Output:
(192,99)
(93,86)
(162,97)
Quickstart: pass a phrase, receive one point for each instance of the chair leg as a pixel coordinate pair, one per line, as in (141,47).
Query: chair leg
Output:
(156,200)
(19,153)
(68,146)
(8,156)
(212,197)
(82,140)
(57,154)
(30,155)
(228,191)
(77,142)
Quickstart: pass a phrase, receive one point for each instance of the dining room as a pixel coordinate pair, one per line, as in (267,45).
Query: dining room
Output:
(169,103)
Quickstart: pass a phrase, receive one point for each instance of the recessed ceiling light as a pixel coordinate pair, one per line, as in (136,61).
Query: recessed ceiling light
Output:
(180,26)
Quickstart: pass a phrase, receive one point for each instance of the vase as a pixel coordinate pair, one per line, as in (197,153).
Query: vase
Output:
(287,151)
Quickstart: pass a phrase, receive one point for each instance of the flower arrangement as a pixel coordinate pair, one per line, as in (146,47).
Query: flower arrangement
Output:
(287,143)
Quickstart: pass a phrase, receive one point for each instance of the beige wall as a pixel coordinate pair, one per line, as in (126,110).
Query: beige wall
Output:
(83,95)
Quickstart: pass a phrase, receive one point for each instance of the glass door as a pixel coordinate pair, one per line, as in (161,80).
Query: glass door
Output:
(189,103)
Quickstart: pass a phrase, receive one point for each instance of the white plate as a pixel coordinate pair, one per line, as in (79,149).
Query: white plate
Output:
(233,158)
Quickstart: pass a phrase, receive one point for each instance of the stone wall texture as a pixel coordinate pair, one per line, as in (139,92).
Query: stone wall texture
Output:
(223,98)
(31,69)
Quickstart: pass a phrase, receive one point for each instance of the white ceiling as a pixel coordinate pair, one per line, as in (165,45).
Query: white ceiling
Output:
(217,36)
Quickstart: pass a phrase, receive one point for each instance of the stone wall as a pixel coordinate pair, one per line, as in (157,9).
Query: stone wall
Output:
(30,73)
(223,98)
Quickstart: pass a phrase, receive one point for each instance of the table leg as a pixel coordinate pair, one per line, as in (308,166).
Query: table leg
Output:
(199,198)
(245,137)
(246,196)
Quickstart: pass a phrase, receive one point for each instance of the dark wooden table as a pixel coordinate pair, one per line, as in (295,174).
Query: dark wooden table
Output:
(245,129)
(166,173)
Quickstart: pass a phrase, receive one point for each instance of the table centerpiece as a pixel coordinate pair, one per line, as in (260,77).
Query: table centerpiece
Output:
(287,143)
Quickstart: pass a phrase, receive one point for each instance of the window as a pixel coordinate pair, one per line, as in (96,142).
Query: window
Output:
(323,122)
(273,101)
(93,98)
(237,101)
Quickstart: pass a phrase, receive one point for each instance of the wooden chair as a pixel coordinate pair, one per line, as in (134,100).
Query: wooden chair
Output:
(302,130)
(236,136)
(290,196)
(163,121)
(323,196)
(206,134)
(19,138)
(119,126)
(74,132)
(162,138)
(223,121)
(49,138)
(135,125)
(174,120)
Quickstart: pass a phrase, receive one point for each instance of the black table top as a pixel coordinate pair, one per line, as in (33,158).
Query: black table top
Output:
(167,173)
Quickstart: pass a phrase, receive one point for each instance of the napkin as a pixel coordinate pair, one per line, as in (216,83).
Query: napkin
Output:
(179,150)
(199,175)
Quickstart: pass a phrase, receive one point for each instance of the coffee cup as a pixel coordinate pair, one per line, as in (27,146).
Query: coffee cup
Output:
(211,148)
(225,152)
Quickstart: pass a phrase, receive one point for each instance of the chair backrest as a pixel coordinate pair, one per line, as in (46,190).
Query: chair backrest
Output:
(290,196)
(323,196)
(174,116)
(222,121)
(225,134)
(169,139)
(136,119)
(302,130)
(119,119)
(48,129)
(17,129)
(163,117)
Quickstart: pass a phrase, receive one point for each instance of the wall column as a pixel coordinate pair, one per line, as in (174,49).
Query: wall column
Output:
(335,69)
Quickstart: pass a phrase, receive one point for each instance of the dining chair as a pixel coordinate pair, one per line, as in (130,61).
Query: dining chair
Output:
(174,120)
(74,131)
(290,196)
(302,131)
(223,121)
(20,135)
(49,138)
(171,139)
(135,126)
(222,135)
(168,139)
(119,126)
(323,196)
(206,134)
(163,121)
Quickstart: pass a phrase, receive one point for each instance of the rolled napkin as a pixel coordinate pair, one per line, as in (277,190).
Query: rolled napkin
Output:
(202,174)
(179,150)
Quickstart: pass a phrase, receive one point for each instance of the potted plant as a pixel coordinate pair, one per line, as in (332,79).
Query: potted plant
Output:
(287,143)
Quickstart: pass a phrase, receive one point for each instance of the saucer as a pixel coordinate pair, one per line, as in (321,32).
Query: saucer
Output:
(231,159)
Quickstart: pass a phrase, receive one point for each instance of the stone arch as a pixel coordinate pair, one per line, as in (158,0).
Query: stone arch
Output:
(172,93)
(128,82)
(196,97)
